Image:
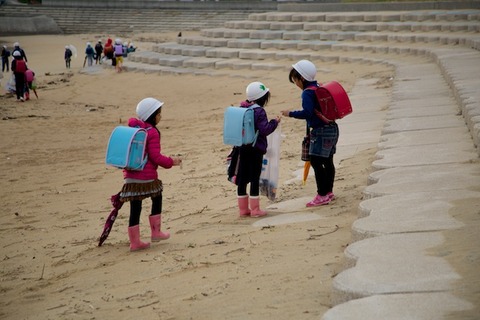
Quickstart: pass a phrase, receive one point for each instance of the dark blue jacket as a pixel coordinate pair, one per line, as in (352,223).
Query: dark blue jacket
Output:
(309,104)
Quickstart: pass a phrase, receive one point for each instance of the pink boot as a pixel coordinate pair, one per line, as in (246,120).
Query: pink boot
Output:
(155,226)
(243,206)
(255,205)
(135,242)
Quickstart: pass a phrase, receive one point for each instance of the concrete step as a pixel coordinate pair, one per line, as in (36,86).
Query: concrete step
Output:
(94,20)
(377,16)
(444,25)
(282,49)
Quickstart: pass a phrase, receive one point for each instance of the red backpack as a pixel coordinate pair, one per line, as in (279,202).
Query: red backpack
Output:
(333,100)
(20,66)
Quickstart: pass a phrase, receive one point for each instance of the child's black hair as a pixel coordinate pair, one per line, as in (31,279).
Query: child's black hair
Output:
(151,119)
(263,100)
(295,75)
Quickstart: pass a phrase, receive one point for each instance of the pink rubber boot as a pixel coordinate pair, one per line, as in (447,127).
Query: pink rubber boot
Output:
(135,242)
(243,206)
(255,205)
(155,226)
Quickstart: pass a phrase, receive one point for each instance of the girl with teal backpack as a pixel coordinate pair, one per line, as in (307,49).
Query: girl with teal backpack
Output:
(251,155)
(142,184)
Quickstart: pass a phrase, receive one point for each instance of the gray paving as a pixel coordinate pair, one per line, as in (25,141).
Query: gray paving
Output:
(427,162)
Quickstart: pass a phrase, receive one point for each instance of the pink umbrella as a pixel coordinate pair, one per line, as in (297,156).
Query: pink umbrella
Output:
(117,204)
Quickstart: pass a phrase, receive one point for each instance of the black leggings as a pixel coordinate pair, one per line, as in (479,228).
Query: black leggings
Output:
(249,171)
(324,173)
(19,84)
(136,209)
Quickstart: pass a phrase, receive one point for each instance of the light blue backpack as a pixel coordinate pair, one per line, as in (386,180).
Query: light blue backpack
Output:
(239,126)
(126,148)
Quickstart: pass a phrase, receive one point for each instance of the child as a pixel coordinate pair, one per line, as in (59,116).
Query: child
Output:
(30,83)
(118,50)
(144,184)
(323,137)
(108,51)
(5,59)
(68,56)
(98,52)
(89,54)
(251,156)
(19,66)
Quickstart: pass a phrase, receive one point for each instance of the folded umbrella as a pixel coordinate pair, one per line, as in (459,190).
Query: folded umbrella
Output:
(117,204)
(306,169)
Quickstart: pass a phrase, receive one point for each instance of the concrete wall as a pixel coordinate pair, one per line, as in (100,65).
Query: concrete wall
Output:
(12,25)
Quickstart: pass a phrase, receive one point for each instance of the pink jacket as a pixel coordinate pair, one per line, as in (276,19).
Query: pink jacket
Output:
(153,149)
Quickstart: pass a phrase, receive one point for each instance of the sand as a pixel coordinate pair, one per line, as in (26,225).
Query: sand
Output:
(55,191)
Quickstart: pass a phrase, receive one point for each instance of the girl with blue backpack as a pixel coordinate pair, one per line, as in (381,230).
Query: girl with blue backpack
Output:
(144,184)
(251,155)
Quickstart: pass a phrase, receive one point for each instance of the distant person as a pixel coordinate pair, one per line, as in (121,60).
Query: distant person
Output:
(118,49)
(5,59)
(16,47)
(98,52)
(68,56)
(89,54)
(19,66)
(29,83)
(108,51)
(131,48)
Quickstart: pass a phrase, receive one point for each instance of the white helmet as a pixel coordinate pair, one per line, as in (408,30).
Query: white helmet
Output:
(256,90)
(147,107)
(306,69)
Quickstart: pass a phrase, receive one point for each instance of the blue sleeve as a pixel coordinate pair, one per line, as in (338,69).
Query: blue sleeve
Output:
(309,103)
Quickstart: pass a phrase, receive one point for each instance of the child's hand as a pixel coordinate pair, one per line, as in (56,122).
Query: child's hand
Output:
(286,113)
(279,118)
(177,161)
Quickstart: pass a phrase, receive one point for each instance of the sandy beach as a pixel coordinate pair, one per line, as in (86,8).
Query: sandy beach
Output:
(56,188)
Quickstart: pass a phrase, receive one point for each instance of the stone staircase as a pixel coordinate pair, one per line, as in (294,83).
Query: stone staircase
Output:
(126,21)
(265,39)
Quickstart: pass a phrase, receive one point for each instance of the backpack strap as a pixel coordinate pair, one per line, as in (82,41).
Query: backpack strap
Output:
(256,132)
(144,161)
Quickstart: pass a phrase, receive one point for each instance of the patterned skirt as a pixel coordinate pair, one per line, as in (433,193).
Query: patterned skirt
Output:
(139,191)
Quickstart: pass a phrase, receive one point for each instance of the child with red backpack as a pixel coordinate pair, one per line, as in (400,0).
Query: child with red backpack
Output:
(323,133)
(19,66)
